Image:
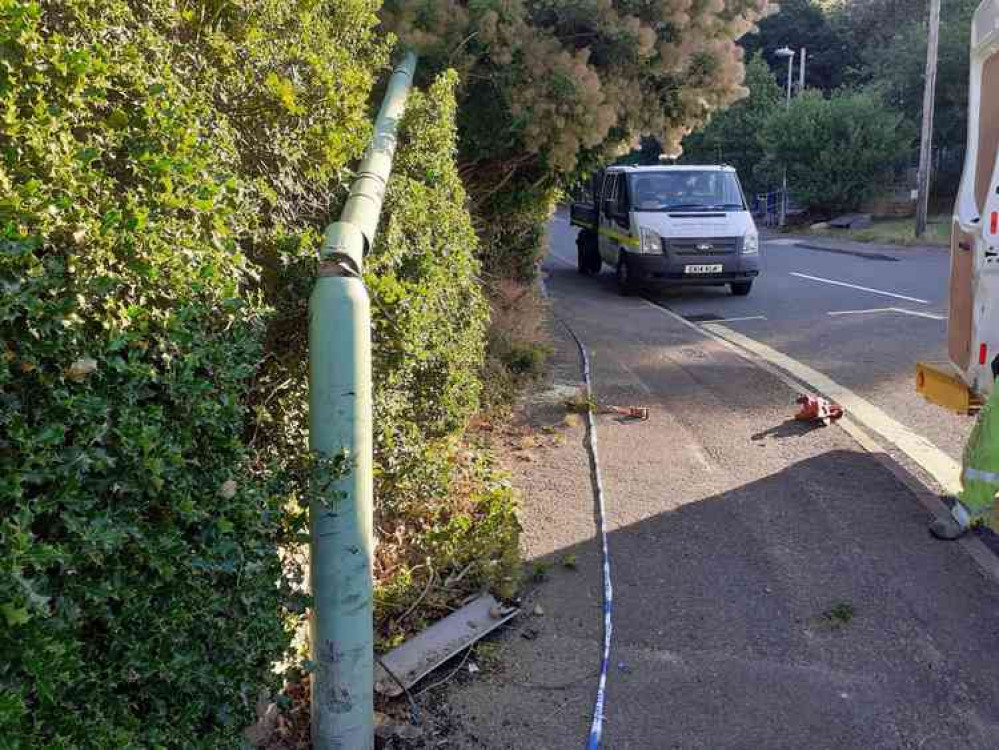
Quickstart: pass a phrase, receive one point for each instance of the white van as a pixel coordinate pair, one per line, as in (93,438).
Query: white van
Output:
(683,225)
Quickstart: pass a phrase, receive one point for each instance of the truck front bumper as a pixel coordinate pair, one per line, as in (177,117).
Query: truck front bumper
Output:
(648,268)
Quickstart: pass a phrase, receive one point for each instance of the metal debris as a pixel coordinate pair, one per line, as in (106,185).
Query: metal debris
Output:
(423,653)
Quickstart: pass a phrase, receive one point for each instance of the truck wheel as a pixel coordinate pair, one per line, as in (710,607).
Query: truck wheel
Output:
(625,281)
(587,255)
(741,288)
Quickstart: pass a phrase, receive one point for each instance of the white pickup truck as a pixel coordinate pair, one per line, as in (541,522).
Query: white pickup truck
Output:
(668,225)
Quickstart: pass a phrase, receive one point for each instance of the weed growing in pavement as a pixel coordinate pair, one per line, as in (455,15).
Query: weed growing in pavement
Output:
(581,403)
(539,571)
(488,655)
(838,616)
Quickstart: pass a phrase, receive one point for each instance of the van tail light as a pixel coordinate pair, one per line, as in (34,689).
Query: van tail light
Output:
(994,223)
(983,353)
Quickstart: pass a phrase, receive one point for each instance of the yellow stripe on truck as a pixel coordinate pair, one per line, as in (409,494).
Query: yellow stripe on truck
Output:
(624,239)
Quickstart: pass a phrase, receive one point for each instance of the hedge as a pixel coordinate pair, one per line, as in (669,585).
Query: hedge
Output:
(166,169)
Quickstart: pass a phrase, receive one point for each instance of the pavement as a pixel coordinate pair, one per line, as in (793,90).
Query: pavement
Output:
(865,339)
(775,584)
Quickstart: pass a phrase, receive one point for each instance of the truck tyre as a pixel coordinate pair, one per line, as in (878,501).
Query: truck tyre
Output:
(741,288)
(587,254)
(625,280)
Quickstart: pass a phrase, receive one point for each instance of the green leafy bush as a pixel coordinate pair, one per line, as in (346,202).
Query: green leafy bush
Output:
(138,570)
(435,506)
(839,151)
(166,170)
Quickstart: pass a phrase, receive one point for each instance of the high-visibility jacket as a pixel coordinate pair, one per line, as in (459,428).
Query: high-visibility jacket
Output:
(980,469)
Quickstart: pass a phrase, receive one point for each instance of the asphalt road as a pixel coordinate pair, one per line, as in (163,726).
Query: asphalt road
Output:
(866,340)
(775,587)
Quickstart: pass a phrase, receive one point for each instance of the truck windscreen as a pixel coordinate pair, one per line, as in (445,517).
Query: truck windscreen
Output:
(693,190)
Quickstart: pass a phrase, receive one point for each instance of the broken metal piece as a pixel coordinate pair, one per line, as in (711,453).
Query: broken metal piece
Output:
(423,653)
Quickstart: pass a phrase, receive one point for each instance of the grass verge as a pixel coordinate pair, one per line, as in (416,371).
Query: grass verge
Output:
(895,232)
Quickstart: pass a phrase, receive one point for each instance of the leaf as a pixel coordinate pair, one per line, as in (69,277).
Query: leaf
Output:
(14,615)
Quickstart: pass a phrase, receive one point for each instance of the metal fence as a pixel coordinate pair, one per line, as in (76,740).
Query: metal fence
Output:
(766,207)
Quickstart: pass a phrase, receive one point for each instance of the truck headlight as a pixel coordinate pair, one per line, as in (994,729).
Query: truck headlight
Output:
(751,244)
(649,241)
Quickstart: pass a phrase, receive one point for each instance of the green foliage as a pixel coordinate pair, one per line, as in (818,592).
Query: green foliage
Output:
(839,616)
(166,169)
(880,45)
(429,340)
(553,89)
(139,538)
(896,69)
(819,26)
(422,275)
(733,136)
(560,78)
(838,151)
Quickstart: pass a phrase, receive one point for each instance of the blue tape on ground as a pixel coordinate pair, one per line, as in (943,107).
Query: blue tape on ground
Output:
(596,728)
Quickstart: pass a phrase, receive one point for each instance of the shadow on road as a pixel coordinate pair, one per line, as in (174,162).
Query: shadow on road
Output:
(788,429)
(808,609)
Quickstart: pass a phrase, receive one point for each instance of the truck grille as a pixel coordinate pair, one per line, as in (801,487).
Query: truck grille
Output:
(703,245)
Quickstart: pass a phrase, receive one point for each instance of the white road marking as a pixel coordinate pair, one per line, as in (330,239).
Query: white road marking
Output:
(860,288)
(945,470)
(862,312)
(915,313)
(739,320)
(899,310)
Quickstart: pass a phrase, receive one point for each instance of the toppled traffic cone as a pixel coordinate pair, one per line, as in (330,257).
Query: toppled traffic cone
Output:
(817,409)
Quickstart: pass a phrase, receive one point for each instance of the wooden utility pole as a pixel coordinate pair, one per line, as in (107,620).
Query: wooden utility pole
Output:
(926,139)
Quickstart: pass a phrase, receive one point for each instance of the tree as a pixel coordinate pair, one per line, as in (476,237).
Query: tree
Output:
(733,136)
(881,45)
(896,70)
(838,151)
(805,23)
(557,87)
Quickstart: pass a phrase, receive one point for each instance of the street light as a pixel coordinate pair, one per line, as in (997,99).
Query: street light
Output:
(787,52)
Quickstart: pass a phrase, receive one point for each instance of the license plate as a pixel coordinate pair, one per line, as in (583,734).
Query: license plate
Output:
(714,268)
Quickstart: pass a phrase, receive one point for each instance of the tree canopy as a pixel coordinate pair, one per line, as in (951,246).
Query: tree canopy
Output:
(838,151)
(552,80)
(872,46)
(552,89)
(734,136)
(831,51)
